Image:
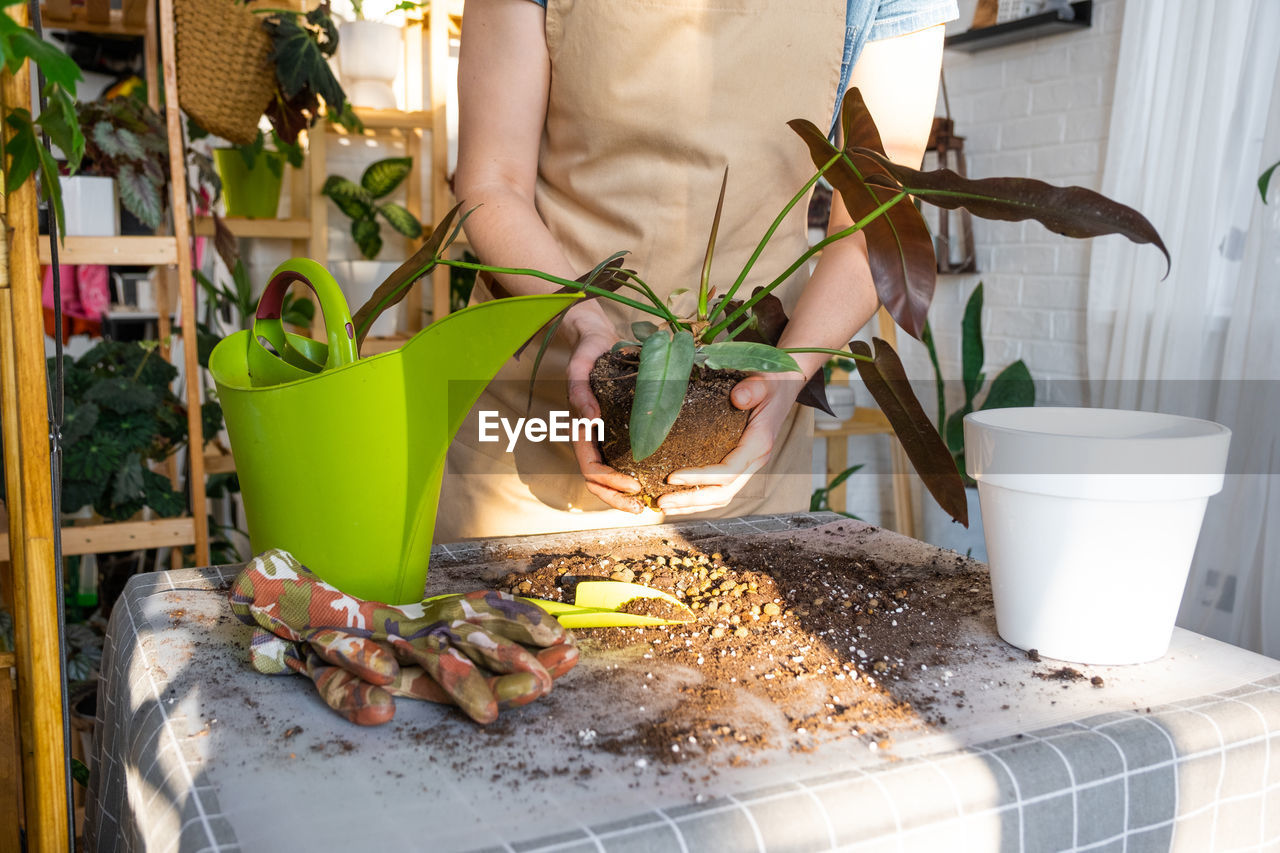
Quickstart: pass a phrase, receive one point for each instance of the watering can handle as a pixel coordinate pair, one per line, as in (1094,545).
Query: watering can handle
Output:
(339,327)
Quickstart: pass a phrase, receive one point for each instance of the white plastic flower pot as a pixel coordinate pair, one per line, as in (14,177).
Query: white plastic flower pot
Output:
(90,206)
(370,54)
(1091,519)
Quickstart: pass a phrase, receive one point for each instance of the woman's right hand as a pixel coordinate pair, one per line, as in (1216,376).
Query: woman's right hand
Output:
(591,335)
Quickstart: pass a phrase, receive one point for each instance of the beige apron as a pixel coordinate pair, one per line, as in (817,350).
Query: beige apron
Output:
(649,100)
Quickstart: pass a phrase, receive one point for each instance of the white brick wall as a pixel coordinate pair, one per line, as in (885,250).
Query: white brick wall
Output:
(1036,109)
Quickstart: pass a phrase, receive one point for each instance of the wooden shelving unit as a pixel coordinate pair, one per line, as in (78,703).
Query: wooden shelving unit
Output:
(168,251)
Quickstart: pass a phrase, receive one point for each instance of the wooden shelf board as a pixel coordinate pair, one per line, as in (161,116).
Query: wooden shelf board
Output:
(7,659)
(394,119)
(863,422)
(1022,29)
(79,22)
(123,251)
(284,229)
(120,536)
(373,346)
(219,463)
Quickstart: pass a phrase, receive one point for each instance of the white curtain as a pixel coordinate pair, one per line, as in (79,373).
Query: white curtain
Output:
(1195,120)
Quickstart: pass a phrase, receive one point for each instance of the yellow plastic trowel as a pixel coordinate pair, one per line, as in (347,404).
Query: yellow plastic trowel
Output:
(596,603)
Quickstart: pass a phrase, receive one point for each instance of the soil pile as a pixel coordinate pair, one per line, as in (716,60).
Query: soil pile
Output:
(841,644)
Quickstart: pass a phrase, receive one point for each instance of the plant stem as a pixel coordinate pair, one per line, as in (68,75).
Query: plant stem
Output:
(555,279)
(768,235)
(710,334)
(653,297)
(843,353)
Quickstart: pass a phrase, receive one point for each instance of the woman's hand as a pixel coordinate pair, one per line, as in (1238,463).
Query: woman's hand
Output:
(591,335)
(769,397)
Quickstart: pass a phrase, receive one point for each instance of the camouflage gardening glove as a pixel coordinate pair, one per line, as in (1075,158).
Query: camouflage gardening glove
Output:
(469,650)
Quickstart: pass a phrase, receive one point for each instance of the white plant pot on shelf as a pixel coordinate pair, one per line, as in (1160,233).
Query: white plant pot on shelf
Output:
(358,280)
(370,55)
(90,206)
(1091,520)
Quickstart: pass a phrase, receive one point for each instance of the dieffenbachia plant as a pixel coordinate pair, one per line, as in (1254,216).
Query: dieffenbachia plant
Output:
(725,332)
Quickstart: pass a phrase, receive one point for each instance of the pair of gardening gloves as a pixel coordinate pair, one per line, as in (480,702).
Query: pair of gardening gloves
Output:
(484,651)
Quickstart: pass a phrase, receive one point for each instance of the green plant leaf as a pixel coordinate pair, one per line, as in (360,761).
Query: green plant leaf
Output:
(301,61)
(1070,211)
(297,310)
(887,381)
(80,771)
(940,386)
(57,67)
(705,280)
(642,329)
(971,350)
(397,285)
(79,421)
(349,196)
(160,495)
(60,122)
(140,195)
(748,356)
(954,436)
(127,484)
(368,236)
(21,147)
(1013,387)
(665,364)
(1264,180)
(401,220)
(382,177)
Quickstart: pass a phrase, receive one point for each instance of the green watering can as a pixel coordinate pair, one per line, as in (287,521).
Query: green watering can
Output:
(340,457)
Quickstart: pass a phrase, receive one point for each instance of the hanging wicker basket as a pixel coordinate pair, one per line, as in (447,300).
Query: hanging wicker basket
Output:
(225,80)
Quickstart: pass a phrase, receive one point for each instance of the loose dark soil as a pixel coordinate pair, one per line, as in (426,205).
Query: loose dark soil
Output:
(708,427)
(658,607)
(841,644)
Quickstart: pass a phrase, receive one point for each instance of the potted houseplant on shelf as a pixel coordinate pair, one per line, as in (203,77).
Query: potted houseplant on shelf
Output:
(1011,387)
(126,140)
(671,352)
(371,56)
(366,205)
(251,175)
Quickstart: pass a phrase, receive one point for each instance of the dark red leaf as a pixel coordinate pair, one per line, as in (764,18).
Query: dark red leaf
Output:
(1070,211)
(899,246)
(887,381)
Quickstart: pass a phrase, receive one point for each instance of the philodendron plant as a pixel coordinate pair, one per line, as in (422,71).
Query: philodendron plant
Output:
(725,332)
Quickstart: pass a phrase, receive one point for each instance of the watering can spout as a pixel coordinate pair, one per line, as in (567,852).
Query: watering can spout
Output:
(340,460)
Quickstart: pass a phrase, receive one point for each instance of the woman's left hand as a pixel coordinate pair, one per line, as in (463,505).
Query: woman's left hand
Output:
(769,397)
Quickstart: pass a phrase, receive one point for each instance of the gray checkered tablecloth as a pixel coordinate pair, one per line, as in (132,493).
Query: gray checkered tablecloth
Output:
(197,752)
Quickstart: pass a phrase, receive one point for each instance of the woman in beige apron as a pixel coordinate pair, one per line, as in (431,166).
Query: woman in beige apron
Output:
(646,102)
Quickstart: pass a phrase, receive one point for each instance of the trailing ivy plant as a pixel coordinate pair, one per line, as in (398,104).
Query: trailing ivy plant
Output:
(125,139)
(22,154)
(723,331)
(1012,387)
(361,203)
